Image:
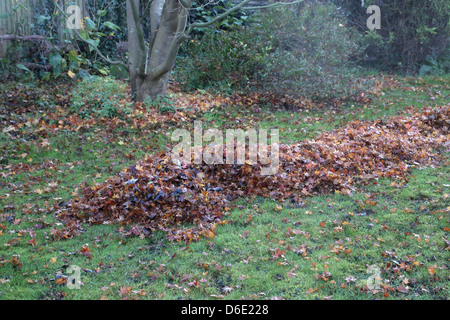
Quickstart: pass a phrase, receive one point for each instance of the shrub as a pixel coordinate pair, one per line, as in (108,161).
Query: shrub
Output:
(314,52)
(302,50)
(413,33)
(233,62)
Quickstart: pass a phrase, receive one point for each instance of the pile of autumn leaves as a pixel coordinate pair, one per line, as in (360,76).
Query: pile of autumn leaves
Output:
(188,202)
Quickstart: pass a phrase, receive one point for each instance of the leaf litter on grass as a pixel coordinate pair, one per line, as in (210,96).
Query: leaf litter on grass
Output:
(157,194)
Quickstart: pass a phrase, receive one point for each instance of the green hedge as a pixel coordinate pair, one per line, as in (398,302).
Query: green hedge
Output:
(300,50)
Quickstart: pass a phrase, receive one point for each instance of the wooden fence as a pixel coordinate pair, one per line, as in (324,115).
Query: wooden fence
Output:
(15,17)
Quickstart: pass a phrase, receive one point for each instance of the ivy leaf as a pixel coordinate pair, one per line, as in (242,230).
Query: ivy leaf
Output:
(111,25)
(90,25)
(22,67)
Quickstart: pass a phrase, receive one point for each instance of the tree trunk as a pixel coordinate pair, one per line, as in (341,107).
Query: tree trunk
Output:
(150,67)
(153,87)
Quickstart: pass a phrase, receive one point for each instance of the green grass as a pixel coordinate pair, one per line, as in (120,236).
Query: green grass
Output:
(265,250)
(413,95)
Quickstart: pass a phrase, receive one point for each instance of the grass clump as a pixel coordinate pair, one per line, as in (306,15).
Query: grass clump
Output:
(102,97)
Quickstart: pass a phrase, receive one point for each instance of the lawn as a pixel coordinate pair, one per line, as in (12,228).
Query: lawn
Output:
(264,249)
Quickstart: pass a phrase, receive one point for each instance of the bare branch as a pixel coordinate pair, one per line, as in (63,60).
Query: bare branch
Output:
(233,9)
(31,38)
(187,4)
(273,5)
(217,18)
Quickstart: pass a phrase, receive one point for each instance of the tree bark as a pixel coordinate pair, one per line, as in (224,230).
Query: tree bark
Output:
(134,51)
(150,67)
